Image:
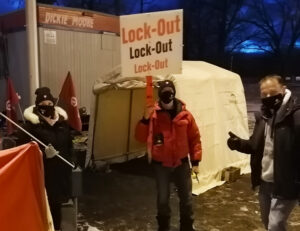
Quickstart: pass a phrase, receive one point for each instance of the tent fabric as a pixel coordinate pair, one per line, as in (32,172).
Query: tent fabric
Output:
(23,201)
(216,99)
(114,80)
(214,96)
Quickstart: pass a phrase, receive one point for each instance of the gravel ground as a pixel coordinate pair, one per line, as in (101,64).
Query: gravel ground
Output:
(124,199)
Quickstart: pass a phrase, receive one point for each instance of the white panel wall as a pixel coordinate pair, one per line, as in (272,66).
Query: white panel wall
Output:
(86,55)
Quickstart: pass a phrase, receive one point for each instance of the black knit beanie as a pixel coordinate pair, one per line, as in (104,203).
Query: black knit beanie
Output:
(43,93)
(165,83)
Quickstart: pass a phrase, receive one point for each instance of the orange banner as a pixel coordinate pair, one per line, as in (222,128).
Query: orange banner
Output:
(23,202)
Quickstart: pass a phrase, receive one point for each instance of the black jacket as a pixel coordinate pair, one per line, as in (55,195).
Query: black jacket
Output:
(286,131)
(57,172)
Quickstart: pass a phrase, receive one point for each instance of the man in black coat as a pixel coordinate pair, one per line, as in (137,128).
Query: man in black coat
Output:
(48,123)
(275,152)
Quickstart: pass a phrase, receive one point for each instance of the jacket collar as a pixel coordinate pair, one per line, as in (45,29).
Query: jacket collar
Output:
(32,115)
(289,108)
(180,109)
(286,108)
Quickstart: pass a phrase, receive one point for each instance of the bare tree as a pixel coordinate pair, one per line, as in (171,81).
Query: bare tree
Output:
(278,23)
(229,30)
(214,29)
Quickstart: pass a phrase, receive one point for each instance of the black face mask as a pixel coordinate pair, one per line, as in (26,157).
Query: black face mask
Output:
(166,97)
(273,102)
(47,111)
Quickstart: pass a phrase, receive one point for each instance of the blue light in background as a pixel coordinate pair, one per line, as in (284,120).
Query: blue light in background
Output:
(136,6)
(252,47)
(7,6)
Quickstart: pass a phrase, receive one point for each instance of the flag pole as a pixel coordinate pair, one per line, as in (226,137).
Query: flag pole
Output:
(56,101)
(19,106)
(36,139)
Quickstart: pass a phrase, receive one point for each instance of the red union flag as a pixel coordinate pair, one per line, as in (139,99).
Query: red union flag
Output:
(68,100)
(12,99)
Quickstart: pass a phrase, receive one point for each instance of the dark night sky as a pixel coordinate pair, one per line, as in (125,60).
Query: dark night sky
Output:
(250,45)
(9,5)
(135,6)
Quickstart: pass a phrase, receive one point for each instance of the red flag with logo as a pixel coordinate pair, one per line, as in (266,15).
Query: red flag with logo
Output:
(12,99)
(68,100)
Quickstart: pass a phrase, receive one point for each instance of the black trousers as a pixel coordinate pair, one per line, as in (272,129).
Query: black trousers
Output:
(55,208)
(182,178)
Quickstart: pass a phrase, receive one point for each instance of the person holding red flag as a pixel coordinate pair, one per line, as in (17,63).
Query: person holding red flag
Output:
(12,99)
(49,124)
(68,101)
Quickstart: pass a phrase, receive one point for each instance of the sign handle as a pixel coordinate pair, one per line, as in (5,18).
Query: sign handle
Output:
(149,91)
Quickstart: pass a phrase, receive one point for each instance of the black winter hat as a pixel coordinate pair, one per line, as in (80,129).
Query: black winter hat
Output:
(43,93)
(165,83)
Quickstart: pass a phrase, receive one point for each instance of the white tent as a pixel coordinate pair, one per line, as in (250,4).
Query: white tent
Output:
(215,97)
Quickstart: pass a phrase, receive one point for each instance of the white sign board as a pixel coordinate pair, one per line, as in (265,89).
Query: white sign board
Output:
(151,43)
(50,37)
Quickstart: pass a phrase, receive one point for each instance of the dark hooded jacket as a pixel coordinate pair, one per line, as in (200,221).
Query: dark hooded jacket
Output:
(286,135)
(57,172)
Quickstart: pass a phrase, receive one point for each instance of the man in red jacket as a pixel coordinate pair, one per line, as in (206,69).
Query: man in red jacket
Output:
(172,137)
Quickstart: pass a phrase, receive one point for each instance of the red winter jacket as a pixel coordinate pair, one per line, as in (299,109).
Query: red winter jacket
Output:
(181,136)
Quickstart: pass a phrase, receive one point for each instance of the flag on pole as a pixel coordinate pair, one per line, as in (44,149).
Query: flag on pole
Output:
(68,101)
(24,205)
(12,99)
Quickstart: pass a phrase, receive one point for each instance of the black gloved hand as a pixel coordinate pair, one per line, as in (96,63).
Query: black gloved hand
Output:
(233,141)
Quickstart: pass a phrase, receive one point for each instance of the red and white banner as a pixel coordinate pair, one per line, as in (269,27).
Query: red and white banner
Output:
(23,200)
(151,43)
(68,100)
(12,100)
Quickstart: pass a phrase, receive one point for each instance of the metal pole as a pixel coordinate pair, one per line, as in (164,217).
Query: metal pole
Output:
(32,46)
(36,139)
(20,110)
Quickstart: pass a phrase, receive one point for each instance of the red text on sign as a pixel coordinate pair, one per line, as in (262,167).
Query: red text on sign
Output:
(157,65)
(163,27)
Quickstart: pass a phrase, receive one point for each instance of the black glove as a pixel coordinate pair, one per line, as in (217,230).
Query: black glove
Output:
(233,141)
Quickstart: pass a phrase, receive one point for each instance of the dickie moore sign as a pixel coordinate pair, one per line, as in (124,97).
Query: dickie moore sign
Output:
(151,43)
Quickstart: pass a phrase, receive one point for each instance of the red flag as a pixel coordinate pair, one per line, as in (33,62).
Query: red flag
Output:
(12,99)
(69,101)
(23,201)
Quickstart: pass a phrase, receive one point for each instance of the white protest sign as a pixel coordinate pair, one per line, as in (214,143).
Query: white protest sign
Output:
(151,43)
